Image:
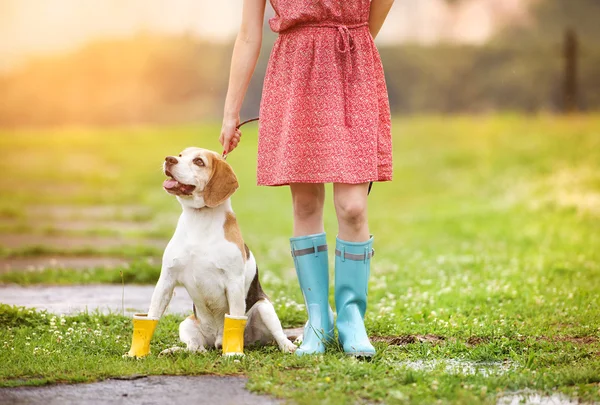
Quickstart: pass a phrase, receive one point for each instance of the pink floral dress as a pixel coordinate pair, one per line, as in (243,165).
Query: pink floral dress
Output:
(324,113)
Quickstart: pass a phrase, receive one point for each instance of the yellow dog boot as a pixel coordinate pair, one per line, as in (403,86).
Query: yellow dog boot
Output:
(143,329)
(233,335)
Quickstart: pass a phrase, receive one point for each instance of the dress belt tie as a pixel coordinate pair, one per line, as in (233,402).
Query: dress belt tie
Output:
(344,45)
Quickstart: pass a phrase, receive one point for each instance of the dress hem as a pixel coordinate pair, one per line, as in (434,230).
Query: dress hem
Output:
(325,181)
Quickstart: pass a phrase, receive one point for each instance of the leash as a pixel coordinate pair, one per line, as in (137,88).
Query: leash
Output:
(256,119)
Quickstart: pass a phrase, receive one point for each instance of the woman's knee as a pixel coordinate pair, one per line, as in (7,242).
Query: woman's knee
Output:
(350,203)
(307,200)
(351,210)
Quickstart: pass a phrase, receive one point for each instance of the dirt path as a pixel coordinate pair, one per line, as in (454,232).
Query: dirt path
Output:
(214,390)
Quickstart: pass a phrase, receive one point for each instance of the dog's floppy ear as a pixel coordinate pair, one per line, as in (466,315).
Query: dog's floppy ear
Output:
(221,185)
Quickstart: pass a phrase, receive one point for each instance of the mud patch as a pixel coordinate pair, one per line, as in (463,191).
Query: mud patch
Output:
(215,390)
(477,340)
(408,339)
(578,340)
(50,262)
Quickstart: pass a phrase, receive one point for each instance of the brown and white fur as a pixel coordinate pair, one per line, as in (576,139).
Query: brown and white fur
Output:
(207,255)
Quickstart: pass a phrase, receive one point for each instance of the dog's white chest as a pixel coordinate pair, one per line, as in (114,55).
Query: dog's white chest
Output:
(201,258)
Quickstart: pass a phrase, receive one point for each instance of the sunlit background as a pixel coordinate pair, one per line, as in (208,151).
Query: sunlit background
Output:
(106,62)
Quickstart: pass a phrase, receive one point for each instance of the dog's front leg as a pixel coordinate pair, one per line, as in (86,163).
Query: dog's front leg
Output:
(236,298)
(163,292)
(235,321)
(145,324)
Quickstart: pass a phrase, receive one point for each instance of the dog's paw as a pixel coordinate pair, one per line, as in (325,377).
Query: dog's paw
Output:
(288,347)
(170,351)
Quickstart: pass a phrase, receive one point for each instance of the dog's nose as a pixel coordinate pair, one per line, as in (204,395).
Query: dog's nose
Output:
(171,160)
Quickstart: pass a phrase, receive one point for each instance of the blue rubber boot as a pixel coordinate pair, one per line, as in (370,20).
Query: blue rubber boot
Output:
(352,269)
(312,267)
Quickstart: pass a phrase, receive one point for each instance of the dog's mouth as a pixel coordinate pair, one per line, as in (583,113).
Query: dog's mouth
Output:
(173,186)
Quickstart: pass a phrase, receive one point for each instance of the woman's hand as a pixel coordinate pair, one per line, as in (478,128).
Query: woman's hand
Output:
(230,135)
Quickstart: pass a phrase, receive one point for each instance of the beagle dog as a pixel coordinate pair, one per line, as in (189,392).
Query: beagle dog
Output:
(207,255)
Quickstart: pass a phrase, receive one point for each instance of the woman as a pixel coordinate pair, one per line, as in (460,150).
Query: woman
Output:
(324,118)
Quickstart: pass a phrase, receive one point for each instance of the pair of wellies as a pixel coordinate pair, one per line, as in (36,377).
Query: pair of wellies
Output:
(352,267)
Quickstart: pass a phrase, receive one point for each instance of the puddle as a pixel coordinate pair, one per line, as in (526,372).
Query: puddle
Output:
(530,397)
(215,390)
(461,367)
(104,298)
(15,241)
(49,262)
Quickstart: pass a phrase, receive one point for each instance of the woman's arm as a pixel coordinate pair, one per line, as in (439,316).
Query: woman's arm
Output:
(378,13)
(243,61)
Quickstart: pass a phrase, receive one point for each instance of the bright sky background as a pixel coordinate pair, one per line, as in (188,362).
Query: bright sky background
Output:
(29,27)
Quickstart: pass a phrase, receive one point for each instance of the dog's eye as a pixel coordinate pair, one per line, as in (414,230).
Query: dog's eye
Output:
(198,162)
(180,155)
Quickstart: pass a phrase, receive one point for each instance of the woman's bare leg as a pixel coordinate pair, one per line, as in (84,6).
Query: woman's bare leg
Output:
(308,200)
(350,202)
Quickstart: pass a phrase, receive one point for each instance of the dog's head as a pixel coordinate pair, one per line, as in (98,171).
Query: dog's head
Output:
(199,178)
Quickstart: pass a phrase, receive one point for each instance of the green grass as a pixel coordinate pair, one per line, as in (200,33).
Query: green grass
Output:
(42,250)
(488,234)
(40,348)
(137,272)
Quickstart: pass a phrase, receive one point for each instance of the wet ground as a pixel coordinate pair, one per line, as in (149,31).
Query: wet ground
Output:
(104,298)
(530,397)
(214,390)
(461,367)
